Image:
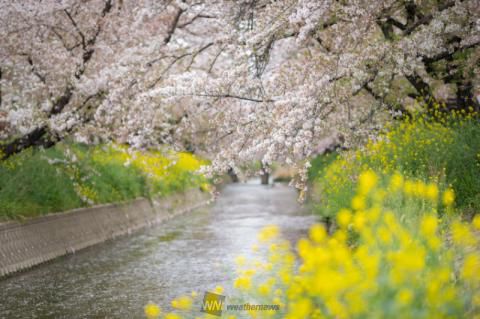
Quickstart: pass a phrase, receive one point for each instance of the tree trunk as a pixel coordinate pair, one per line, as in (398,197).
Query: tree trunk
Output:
(1,86)
(265,176)
(232,175)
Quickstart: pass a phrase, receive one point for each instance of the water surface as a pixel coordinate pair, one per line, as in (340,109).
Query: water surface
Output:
(195,251)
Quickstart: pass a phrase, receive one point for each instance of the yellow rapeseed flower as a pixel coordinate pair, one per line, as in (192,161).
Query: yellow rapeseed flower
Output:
(264,289)
(359,220)
(318,233)
(409,187)
(183,303)
(366,181)
(300,309)
(432,192)
(268,233)
(396,181)
(461,234)
(404,297)
(341,236)
(243,283)
(246,272)
(285,276)
(476,222)
(448,197)
(304,247)
(152,311)
(384,235)
(420,189)
(373,214)
(471,267)
(240,260)
(434,243)
(344,217)
(358,202)
(428,225)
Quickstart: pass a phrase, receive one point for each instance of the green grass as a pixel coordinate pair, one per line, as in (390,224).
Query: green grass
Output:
(67,176)
(443,149)
(33,185)
(319,163)
(463,167)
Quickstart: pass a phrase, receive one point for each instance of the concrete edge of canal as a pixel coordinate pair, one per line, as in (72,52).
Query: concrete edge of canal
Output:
(27,244)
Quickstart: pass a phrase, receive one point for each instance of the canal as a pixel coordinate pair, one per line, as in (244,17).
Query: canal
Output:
(192,252)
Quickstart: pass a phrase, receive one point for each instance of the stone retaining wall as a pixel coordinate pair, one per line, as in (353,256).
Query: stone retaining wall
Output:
(26,244)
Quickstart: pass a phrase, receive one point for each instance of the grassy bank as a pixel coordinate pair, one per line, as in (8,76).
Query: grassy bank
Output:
(434,148)
(68,176)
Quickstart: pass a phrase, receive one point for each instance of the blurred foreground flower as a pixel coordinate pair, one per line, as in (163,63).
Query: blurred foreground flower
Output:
(152,311)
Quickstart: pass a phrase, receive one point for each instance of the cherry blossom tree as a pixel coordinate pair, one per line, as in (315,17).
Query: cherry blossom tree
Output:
(299,73)
(83,68)
(234,80)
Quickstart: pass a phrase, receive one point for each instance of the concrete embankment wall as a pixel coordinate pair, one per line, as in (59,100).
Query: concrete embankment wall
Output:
(26,244)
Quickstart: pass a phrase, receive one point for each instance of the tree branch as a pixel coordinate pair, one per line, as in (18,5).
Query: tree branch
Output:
(75,25)
(194,55)
(35,71)
(423,89)
(232,96)
(175,60)
(215,59)
(38,136)
(203,16)
(448,53)
(429,17)
(173,26)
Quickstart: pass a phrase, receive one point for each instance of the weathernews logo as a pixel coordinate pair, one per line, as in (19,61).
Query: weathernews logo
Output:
(213,304)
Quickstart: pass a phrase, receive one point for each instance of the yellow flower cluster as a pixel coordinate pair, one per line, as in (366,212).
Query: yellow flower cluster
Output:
(398,265)
(381,262)
(162,168)
(155,164)
(183,305)
(396,251)
(84,191)
(15,162)
(268,233)
(415,147)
